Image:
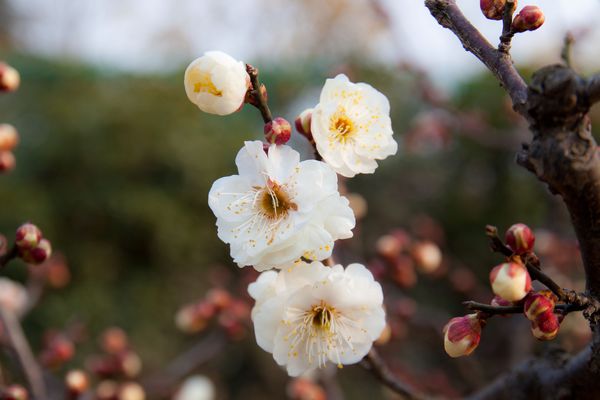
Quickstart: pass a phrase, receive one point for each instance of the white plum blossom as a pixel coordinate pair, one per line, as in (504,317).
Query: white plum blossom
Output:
(279,209)
(216,83)
(13,296)
(351,126)
(196,387)
(308,314)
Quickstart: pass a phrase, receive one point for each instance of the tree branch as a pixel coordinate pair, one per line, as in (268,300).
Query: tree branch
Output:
(594,88)
(259,99)
(447,13)
(374,363)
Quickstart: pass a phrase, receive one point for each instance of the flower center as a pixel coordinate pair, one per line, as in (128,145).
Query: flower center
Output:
(322,315)
(204,84)
(341,126)
(274,202)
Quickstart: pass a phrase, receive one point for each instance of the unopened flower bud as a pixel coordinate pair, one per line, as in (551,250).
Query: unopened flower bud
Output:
(7,161)
(510,281)
(9,137)
(107,390)
(188,321)
(493,9)
(9,78)
(77,382)
(58,351)
(303,122)
(462,335)
(538,303)
(388,246)
(278,131)
(131,391)
(130,364)
(528,19)
(519,238)
(38,254)
(545,326)
(428,256)
(14,392)
(305,389)
(28,236)
(114,340)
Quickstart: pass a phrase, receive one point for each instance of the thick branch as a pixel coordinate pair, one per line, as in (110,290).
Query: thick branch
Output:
(374,363)
(500,64)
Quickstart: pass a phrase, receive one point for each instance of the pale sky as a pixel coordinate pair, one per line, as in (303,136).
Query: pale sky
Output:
(161,35)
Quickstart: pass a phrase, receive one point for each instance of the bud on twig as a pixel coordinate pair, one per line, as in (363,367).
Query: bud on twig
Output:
(528,19)
(278,131)
(493,9)
(28,236)
(538,303)
(510,281)
(38,254)
(427,256)
(303,122)
(76,382)
(519,238)
(546,326)
(9,78)
(8,137)
(462,335)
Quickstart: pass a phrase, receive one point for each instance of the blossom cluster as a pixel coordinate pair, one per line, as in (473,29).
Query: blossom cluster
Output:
(282,215)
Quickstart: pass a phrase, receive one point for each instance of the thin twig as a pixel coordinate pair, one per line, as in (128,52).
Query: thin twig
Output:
(259,100)
(8,256)
(565,54)
(374,363)
(490,310)
(19,343)
(507,31)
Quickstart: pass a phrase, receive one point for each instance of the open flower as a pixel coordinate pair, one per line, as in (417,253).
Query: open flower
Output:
(216,83)
(279,209)
(310,314)
(351,126)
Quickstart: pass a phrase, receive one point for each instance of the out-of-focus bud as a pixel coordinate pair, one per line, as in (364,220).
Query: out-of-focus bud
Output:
(131,391)
(196,387)
(130,364)
(519,238)
(385,337)
(9,78)
(107,390)
(7,161)
(545,326)
(54,271)
(529,18)
(217,297)
(59,349)
(358,204)
(14,392)
(462,279)
(28,236)
(538,303)
(38,254)
(403,271)
(428,256)
(9,137)
(114,340)
(510,281)
(305,389)
(493,9)
(462,335)
(187,320)
(77,382)
(303,122)
(278,131)
(388,247)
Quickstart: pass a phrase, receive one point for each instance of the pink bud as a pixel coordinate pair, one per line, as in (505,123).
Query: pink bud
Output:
(76,382)
(9,78)
(462,335)
(28,236)
(303,122)
(538,303)
(38,254)
(388,246)
(8,137)
(493,9)
(278,131)
(7,161)
(131,391)
(510,281)
(529,18)
(519,238)
(545,326)
(428,256)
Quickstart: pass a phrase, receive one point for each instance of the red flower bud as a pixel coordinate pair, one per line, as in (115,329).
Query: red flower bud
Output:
(38,254)
(545,326)
(9,78)
(303,122)
(519,238)
(8,137)
(28,236)
(493,9)
(278,131)
(538,303)
(462,335)
(528,19)
(7,161)
(510,281)
(114,340)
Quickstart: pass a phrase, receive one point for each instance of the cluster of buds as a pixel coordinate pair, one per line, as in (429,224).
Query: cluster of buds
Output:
(278,131)
(539,309)
(529,18)
(118,360)
(31,245)
(305,389)
(58,349)
(9,138)
(403,255)
(462,335)
(230,313)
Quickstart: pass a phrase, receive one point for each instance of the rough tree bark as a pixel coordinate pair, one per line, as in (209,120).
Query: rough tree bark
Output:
(564,155)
